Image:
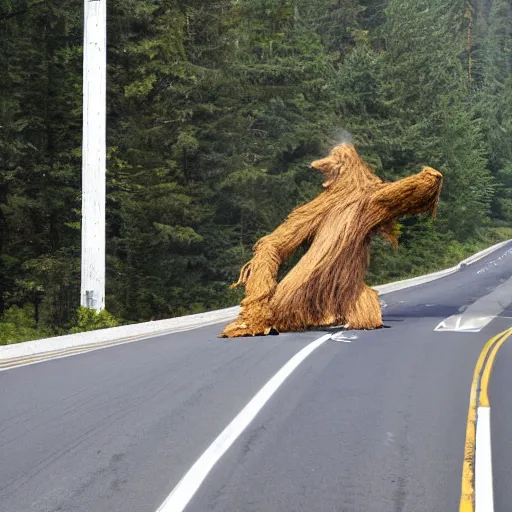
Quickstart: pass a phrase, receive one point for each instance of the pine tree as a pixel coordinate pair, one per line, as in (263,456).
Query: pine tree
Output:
(428,87)
(215,111)
(41,167)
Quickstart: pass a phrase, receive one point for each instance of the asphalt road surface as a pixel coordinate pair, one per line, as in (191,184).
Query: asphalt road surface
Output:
(375,423)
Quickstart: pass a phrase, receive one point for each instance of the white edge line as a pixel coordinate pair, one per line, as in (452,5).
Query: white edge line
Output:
(484,501)
(190,483)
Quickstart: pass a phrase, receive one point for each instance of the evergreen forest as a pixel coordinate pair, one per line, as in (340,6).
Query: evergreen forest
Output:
(215,110)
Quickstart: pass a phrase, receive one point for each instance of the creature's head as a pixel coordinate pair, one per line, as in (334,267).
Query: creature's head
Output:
(344,164)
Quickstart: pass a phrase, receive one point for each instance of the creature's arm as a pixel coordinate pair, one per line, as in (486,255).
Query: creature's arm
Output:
(260,273)
(415,194)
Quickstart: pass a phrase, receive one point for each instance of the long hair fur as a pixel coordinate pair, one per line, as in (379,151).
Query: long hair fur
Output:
(327,286)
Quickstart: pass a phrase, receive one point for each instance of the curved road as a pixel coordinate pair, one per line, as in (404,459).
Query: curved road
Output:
(375,423)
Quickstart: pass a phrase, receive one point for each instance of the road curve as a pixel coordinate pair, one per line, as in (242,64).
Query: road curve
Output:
(376,424)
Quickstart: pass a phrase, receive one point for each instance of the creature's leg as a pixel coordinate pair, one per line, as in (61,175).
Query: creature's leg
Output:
(293,314)
(365,312)
(329,319)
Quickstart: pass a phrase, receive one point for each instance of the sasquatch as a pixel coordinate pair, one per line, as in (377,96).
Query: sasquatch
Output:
(326,287)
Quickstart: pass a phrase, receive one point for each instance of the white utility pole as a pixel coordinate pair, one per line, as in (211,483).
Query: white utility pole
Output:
(94,154)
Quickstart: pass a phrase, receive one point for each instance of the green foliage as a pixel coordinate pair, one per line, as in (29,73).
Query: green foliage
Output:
(89,320)
(215,110)
(18,324)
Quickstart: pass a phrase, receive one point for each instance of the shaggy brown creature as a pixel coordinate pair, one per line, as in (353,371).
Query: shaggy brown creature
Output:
(327,287)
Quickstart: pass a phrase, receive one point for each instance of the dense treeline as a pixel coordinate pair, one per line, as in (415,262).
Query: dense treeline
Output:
(215,110)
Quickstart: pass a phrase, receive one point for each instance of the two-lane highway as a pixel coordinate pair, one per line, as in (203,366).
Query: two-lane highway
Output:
(376,422)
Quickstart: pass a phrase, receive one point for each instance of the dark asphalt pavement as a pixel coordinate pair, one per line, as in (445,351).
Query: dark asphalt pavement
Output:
(377,424)
(501,428)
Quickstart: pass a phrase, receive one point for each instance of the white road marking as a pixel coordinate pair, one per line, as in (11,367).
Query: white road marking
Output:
(343,336)
(494,263)
(390,439)
(479,314)
(190,483)
(484,501)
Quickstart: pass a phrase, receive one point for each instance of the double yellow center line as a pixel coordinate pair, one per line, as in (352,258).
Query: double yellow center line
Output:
(479,397)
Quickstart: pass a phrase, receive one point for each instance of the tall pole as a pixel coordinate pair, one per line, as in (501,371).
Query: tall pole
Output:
(94,154)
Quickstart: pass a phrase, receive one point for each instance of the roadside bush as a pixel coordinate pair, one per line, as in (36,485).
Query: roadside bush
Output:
(89,320)
(18,324)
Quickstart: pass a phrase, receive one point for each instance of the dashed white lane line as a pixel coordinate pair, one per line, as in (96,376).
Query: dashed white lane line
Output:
(190,483)
(484,501)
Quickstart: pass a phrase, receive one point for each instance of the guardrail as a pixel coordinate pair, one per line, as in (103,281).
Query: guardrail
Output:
(40,350)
